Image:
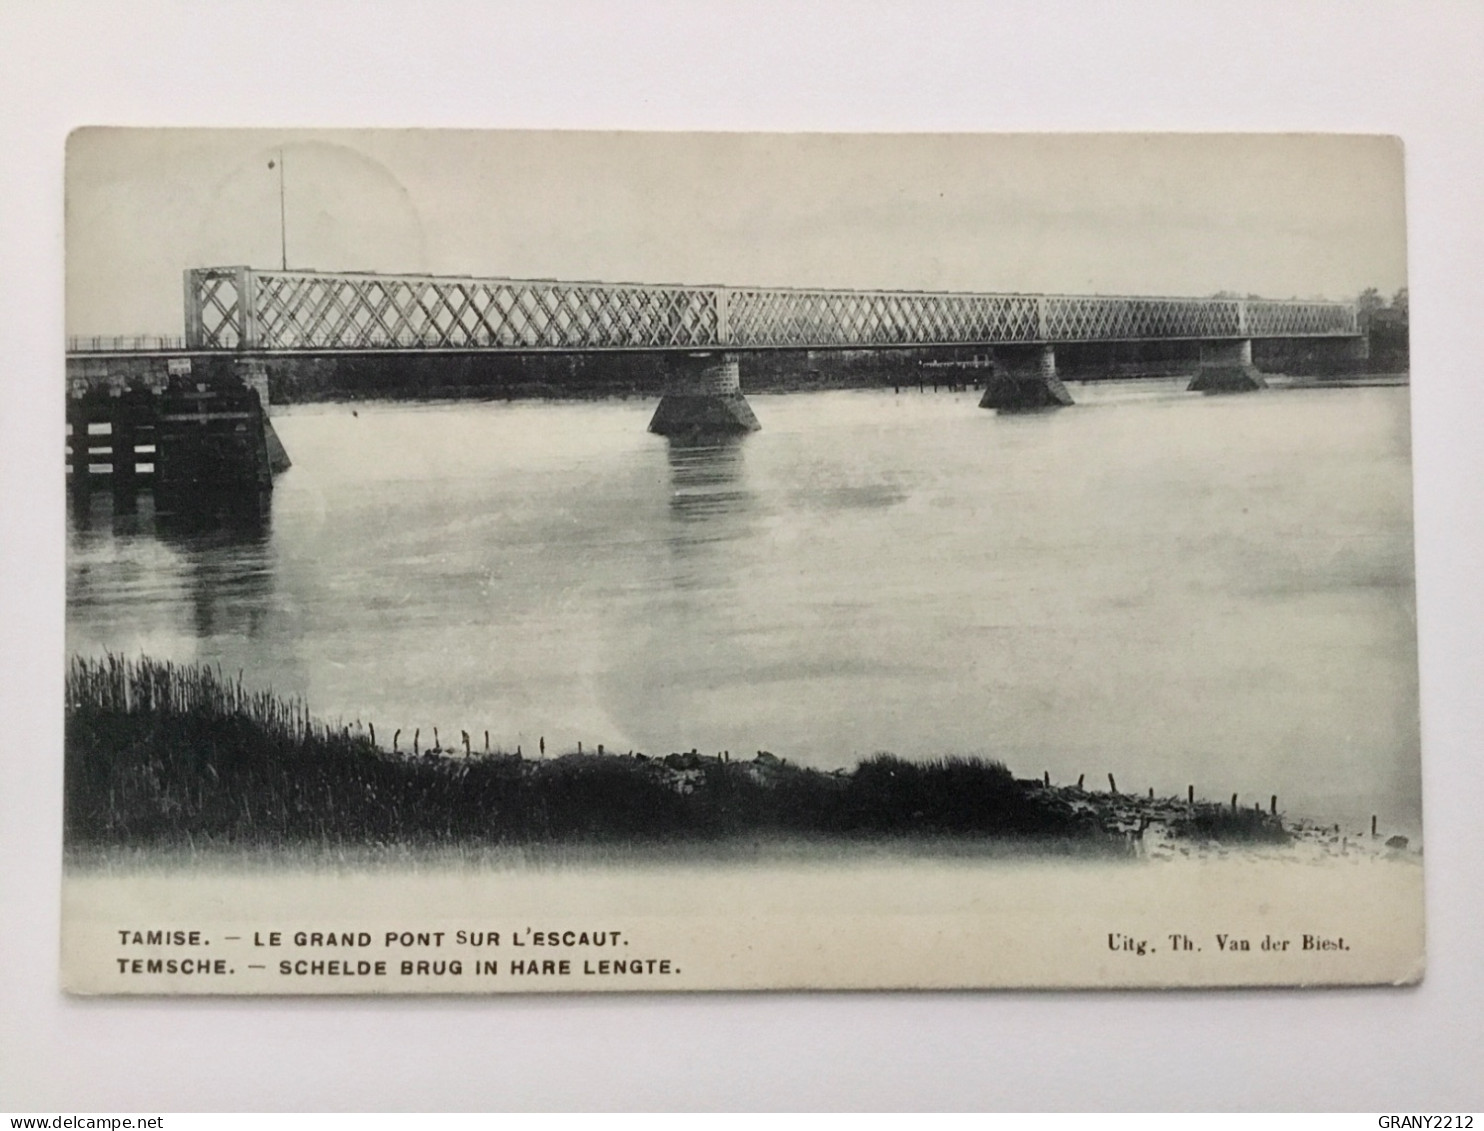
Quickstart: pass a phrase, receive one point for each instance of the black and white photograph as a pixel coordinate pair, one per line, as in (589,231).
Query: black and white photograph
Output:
(740,557)
(537,561)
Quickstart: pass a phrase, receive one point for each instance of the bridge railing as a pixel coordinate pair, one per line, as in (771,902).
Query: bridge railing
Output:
(1266,319)
(131,343)
(772,317)
(243,308)
(846,318)
(240,308)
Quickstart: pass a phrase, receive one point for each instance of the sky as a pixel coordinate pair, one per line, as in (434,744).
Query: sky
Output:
(1280,215)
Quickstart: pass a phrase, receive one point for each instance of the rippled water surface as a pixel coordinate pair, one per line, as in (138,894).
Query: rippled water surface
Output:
(1172,588)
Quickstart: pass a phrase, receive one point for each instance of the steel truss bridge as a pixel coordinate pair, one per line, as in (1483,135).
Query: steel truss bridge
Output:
(247,310)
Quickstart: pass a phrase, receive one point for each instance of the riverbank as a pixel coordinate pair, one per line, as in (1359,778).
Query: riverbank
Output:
(1342,381)
(164,755)
(601,376)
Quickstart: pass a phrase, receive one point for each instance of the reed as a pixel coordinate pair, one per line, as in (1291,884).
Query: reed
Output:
(159,754)
(1215,822)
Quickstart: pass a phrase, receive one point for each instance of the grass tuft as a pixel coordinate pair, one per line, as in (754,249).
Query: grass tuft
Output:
(162,754)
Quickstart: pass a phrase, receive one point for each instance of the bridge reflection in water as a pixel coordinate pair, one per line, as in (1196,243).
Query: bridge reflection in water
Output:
(219,564)
(706,478)
(711,508)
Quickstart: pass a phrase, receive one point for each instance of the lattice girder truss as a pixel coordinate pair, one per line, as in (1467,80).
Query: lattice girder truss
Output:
(240,308)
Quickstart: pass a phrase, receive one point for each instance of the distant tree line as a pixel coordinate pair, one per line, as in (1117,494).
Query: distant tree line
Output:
(1386,326)
(1383,323)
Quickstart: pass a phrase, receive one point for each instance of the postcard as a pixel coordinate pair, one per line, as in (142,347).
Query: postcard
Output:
(570,561)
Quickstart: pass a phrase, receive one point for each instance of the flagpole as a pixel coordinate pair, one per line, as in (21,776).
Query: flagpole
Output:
(283,232)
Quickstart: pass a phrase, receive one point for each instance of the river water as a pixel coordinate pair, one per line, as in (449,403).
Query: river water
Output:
(1171,588)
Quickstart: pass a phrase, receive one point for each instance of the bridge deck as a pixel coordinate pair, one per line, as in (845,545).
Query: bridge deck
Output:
(242,308)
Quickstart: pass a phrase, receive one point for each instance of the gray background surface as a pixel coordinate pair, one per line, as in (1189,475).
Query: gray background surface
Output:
(1406,69)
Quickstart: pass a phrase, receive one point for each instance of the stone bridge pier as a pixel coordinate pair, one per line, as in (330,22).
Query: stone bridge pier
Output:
(1226,367)
(254,374)
(703,396)
(1023,380)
